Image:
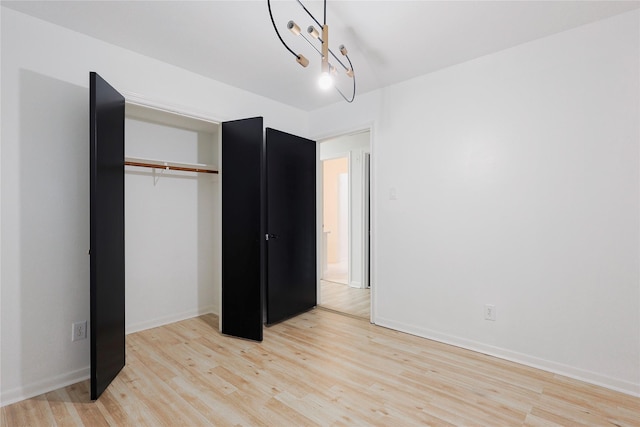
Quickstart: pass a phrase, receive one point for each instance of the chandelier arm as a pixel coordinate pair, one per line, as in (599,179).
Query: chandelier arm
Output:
(309,13)
(330,51)
(351,65)
(341,94)
(344,97)
(338,59)
(311,44)
(278,33)
(320,53)
(325,12)
(353,96)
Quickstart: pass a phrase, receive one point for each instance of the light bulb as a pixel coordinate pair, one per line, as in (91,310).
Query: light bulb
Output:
(325,81)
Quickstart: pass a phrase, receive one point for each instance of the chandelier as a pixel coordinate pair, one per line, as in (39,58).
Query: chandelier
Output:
(328,68)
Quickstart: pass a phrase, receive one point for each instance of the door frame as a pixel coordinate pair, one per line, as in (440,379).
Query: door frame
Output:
(366,127)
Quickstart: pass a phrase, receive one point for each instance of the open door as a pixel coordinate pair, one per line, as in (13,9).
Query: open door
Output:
(291,225)
(242,234)
(107,234)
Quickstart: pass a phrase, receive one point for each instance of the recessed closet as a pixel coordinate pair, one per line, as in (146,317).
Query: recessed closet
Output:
(172,217)
(171,238)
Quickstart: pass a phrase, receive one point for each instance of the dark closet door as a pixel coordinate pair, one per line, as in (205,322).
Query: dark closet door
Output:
(291,224)
(242,234)
(107,234)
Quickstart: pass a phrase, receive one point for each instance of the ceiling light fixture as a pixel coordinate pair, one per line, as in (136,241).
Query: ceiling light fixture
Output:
(326,81)
(327,70)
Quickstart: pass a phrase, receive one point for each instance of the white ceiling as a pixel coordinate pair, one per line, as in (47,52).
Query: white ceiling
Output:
(389,41)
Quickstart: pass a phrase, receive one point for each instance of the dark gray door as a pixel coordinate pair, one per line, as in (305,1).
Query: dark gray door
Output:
(291,225)
(107,234)
(242,234)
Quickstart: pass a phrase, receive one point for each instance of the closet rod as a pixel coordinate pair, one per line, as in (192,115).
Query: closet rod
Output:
(170,167)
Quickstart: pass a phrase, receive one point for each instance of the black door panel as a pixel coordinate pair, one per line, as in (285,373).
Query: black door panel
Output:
(291,224)
(107,234)
(242,235)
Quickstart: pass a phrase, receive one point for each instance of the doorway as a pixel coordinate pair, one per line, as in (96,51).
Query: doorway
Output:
(344,260)
(335,220)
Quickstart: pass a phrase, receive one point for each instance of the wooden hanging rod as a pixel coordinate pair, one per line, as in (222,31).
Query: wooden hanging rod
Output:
(186,167)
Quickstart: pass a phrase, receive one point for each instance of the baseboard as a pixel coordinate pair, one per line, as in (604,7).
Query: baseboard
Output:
(355,284)
(512,356)
(171,318)
(37,388)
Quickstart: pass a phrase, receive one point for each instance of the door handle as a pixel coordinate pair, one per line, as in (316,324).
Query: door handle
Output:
(270,236)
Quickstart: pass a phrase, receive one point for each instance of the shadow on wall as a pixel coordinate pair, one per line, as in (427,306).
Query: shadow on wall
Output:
(208,281)
(54,228)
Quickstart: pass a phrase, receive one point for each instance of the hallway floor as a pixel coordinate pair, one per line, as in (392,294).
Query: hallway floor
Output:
(345,299)
(337,272)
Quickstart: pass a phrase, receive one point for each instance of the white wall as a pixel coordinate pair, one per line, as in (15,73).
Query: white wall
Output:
(517,182)
(516,178)
(172,267)
(45,183)
(353,146)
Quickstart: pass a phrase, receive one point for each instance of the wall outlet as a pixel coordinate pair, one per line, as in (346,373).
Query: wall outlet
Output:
(490,312)
(79,331)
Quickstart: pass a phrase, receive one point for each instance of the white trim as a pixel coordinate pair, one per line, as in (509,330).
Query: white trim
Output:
(319,224)
(351,130)
(179,110)
(372,224)
(366,210)
(43,386)
(336,156)
(349,216)
(370,127)
(171,318)
(218,230)
(512,356)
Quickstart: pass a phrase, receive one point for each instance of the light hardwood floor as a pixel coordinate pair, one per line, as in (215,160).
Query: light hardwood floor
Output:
(345,299)
(320,368)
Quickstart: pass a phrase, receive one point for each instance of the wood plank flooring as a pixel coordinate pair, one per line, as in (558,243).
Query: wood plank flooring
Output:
(324,369)
(345,299)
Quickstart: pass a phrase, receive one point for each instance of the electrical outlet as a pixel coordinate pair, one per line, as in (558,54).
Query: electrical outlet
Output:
(79,331)
(490,312)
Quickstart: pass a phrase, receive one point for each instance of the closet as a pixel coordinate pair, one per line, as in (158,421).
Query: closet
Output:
(172,217)
(231,207)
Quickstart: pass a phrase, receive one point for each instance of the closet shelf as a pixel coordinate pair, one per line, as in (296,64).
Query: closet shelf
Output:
(166,165)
